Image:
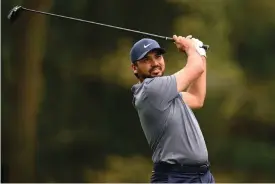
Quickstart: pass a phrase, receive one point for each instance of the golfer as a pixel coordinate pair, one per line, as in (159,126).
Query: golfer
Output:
(164,104)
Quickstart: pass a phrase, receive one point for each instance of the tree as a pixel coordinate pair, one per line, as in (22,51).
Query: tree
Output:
(29,39)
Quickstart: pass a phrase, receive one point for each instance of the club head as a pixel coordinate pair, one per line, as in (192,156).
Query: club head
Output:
(14,13)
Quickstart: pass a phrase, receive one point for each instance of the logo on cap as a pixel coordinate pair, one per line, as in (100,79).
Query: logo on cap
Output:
(145,46)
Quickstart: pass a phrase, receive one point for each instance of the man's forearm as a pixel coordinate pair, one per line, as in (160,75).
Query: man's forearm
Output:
(198,87)
(190,72)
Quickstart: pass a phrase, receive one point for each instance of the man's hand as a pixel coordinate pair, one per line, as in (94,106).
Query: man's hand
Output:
(198,45)
(186,45)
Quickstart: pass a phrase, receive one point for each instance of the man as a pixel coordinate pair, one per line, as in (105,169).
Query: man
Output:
(164,106)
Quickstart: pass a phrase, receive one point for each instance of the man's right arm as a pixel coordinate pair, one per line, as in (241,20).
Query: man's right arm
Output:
(194,66)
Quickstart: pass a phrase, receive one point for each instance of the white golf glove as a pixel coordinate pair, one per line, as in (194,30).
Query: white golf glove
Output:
(198,46)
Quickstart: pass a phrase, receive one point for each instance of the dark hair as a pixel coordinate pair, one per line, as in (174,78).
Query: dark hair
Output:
(135,63)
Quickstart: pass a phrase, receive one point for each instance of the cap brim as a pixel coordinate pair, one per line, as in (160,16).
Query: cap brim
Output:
(162,51)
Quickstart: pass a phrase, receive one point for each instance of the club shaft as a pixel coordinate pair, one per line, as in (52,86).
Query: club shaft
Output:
(106,25)
(101,24)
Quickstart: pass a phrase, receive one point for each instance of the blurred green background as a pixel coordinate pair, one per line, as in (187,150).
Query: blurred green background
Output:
(66,101)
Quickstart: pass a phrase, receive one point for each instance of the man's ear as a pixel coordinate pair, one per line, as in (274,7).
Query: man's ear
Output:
(134,68)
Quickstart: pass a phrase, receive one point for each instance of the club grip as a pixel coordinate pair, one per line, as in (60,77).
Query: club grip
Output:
(206,47)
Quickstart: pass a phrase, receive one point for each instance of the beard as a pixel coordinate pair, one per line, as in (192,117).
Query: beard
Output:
(151,73)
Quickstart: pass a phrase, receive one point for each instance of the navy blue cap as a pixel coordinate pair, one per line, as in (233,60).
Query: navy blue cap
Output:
(142,47)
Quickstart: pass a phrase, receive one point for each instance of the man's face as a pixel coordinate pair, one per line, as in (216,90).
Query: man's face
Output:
(152,65)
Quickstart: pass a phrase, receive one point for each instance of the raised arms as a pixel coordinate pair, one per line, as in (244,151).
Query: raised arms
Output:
(193,75)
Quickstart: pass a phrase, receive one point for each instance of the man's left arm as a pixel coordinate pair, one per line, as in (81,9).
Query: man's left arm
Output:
(196,92)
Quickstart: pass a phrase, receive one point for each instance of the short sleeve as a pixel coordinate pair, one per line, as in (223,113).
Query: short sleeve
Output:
(160,91)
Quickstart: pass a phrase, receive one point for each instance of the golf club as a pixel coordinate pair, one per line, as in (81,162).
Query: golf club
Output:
(15,12)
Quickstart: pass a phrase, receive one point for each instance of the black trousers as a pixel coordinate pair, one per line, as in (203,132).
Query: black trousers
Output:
(176,173)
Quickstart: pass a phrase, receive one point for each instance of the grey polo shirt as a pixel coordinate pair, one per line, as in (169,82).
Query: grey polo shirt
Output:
(169,125)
